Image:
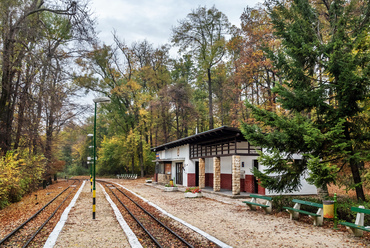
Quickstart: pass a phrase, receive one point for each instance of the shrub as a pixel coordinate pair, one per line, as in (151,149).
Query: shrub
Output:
(344,209)
(281,201)
(77,170)
(20,173)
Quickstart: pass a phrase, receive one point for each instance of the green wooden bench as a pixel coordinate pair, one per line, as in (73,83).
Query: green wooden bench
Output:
(253,203)
(358,227)
(318,217)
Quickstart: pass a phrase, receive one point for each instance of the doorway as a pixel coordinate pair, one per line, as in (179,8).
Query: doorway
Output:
(197,173)
(179,169)
(255,181)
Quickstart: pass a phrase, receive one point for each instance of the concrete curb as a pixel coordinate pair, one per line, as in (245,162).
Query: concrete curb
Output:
(132,239)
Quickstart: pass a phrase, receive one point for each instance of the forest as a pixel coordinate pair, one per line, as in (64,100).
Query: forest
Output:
(294,77)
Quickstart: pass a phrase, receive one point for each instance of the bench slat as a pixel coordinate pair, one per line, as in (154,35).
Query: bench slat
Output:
(313,204)
(301,211)
(257,204)
(353,225)
(261,197)
(360,210)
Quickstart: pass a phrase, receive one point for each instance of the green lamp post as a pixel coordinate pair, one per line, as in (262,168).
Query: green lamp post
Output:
(96,101)
(89,158)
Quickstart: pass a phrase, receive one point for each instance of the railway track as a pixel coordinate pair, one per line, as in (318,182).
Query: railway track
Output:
(25,234)
(152,228)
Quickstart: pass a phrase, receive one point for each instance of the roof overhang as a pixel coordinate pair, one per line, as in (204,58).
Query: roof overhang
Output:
(217,134)
(168,159)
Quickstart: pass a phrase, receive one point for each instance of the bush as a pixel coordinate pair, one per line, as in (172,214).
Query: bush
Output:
(286,201)
(77,170)
(344,209)
(20,173)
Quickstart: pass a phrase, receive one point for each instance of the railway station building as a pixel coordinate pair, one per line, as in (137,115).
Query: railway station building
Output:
(220,158)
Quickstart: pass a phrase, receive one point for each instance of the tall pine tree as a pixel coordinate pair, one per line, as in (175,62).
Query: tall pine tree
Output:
(322,94)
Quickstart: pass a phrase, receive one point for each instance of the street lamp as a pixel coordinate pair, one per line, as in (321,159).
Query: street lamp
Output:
(96,101)
(91,181)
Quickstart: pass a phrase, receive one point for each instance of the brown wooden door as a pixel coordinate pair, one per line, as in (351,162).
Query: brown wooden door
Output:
(179,169)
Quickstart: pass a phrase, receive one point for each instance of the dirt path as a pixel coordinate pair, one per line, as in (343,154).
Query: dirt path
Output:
(81,230)
(230,221)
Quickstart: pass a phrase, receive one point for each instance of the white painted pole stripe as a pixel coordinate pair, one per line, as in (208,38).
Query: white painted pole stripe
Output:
(52,239)
(208,236)
(132,239)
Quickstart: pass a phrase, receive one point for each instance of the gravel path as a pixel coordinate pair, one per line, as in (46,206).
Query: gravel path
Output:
(230,221)
(81,230)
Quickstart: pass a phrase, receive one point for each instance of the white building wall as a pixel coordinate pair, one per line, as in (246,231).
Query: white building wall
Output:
(226,168)
(306,189)
(179,155)
(209,165)
(247,161)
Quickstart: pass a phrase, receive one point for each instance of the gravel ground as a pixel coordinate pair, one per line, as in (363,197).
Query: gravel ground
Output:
(81,230)
(233,223)
(228,220)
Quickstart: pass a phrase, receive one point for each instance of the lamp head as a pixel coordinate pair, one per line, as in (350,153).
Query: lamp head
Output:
(102,100)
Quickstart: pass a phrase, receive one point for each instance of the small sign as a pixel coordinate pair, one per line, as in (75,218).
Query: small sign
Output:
(242,164)
(157,155)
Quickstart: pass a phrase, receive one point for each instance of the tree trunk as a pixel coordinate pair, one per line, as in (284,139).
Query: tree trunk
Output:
(141,159)
(354,167)
(21,108)
(6,93)
(210,103)
(357,180)
(133,164)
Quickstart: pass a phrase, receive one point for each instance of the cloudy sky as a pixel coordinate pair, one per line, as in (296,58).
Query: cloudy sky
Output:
(136,20)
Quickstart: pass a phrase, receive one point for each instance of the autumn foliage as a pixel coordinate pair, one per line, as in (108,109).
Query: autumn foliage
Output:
(20,173)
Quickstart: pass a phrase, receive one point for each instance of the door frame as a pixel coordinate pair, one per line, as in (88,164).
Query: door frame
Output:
(179,173)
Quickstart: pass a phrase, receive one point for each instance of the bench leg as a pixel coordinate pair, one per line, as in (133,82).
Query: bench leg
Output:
(318,220)
(293,214)
(252,207)
(356,232)
(360,218)
(268,210)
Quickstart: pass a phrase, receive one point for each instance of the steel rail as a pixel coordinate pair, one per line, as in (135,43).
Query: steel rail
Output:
(132,215)
(145,211)
(33,216)
(161,223)
(51,216)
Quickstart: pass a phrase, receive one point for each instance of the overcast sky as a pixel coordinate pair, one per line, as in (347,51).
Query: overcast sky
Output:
(136,20)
